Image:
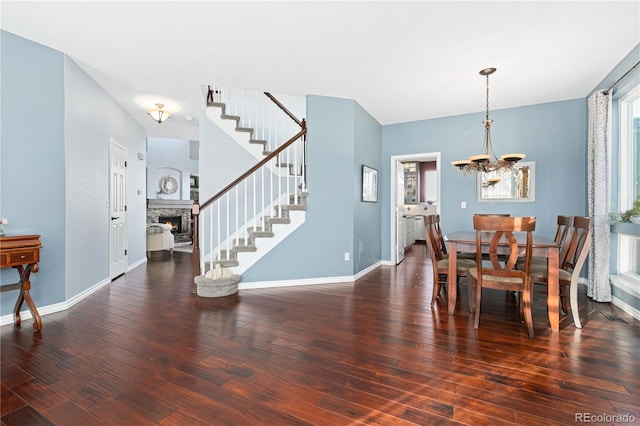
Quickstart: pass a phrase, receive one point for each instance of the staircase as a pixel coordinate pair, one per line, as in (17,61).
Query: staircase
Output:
(255,212)
(289,215)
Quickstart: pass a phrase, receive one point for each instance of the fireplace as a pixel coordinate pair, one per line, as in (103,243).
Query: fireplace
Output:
(174,221)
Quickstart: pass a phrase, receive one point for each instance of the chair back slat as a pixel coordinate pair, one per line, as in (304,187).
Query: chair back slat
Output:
(562,233)
(432,247)
(504,228)
(438,233)
(579,244)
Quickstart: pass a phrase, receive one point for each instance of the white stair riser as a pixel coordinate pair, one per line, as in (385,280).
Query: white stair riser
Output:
(265,245)
(229,127)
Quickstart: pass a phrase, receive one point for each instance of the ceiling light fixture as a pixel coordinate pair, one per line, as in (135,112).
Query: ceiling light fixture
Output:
(159,114)
(487,161)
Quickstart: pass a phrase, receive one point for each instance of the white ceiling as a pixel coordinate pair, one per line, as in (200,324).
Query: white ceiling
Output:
(401,61)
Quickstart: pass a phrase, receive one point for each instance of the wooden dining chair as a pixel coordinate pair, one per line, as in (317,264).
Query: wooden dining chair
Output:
(500,275)
(485,256)
(562,231)
(573,255)
(441,243)
(441,263)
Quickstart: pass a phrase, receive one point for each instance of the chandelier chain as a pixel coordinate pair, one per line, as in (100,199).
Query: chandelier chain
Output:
(487,97)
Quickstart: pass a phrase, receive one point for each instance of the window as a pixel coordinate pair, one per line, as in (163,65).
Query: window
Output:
(629,148)
(629,188)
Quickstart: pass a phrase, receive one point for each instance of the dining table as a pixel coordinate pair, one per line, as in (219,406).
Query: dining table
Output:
(465,242)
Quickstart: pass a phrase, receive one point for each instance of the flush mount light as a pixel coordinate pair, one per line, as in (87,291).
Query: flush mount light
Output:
(159,114)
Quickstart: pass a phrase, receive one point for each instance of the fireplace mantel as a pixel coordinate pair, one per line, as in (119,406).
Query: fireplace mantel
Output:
(169,204)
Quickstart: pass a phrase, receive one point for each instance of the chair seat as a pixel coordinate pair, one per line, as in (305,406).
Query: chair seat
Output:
(535,260)
(471,256)
(498,278)
(462,265)
(540,272)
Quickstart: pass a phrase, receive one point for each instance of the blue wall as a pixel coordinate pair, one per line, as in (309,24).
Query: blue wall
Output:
(92,120)
(57,125)
(553,135)
(367,223)
(32,176)
(317,248)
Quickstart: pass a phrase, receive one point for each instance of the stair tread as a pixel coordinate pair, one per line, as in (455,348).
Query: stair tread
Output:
(227,263)
(278,219)
(263,234)
(247,248)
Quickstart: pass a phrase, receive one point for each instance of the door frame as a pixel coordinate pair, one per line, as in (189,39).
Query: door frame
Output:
(420,157)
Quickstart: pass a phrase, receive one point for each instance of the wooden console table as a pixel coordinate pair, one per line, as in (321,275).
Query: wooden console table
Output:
(22,252)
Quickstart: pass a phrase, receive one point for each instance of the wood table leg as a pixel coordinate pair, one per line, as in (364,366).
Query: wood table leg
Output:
(553,289)
(25,295)
(452,285)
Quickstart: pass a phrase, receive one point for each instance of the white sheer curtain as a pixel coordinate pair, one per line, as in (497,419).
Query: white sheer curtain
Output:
(599,287)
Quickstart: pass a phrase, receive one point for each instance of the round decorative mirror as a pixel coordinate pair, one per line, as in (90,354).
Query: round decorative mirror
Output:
(169,185)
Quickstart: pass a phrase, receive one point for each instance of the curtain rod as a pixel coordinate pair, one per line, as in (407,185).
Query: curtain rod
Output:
(606,92)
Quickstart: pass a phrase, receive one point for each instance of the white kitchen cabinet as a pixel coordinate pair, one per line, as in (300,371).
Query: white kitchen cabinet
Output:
(419,229)
(410,231)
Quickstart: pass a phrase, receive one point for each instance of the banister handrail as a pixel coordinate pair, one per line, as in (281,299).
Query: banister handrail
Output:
(196,208)
(283,108)
(256,166)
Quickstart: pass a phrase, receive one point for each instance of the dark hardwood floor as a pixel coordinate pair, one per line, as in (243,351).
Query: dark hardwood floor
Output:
(145,350)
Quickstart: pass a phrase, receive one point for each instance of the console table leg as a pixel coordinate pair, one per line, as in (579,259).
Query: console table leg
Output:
(16,310)
(25,295)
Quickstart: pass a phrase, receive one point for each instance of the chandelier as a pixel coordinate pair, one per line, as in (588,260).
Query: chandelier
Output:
(159,114)
(487,161)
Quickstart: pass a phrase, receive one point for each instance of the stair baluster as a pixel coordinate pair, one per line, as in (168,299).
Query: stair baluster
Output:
(265,206)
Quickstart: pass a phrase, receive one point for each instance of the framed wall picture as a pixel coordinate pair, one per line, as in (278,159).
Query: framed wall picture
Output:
(369,184)
(513,185)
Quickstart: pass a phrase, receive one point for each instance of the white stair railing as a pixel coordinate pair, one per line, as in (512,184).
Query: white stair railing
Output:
(247,208)
(256,111)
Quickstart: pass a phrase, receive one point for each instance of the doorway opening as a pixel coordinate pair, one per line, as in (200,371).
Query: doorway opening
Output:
(397,206)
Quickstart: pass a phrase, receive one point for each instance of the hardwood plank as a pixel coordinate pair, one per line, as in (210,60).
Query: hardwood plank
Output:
(9,401)
(69,413)
(146,350)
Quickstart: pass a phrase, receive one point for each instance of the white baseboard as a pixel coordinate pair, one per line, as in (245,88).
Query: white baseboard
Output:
(624,286)
(132,266)
(56,307)
(626,307)
(308,281)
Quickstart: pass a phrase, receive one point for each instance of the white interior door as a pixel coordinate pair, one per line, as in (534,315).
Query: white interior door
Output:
(117,211)
(399,213)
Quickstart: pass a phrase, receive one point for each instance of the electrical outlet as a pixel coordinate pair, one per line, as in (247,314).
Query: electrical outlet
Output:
(463,205)
(346,256)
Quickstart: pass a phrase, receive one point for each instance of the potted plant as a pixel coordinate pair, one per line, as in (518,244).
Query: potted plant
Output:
(632,215)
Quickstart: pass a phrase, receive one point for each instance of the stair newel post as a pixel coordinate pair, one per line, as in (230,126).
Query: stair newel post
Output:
(195,211)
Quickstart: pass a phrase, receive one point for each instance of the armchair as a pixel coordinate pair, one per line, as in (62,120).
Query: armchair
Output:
(159,237)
